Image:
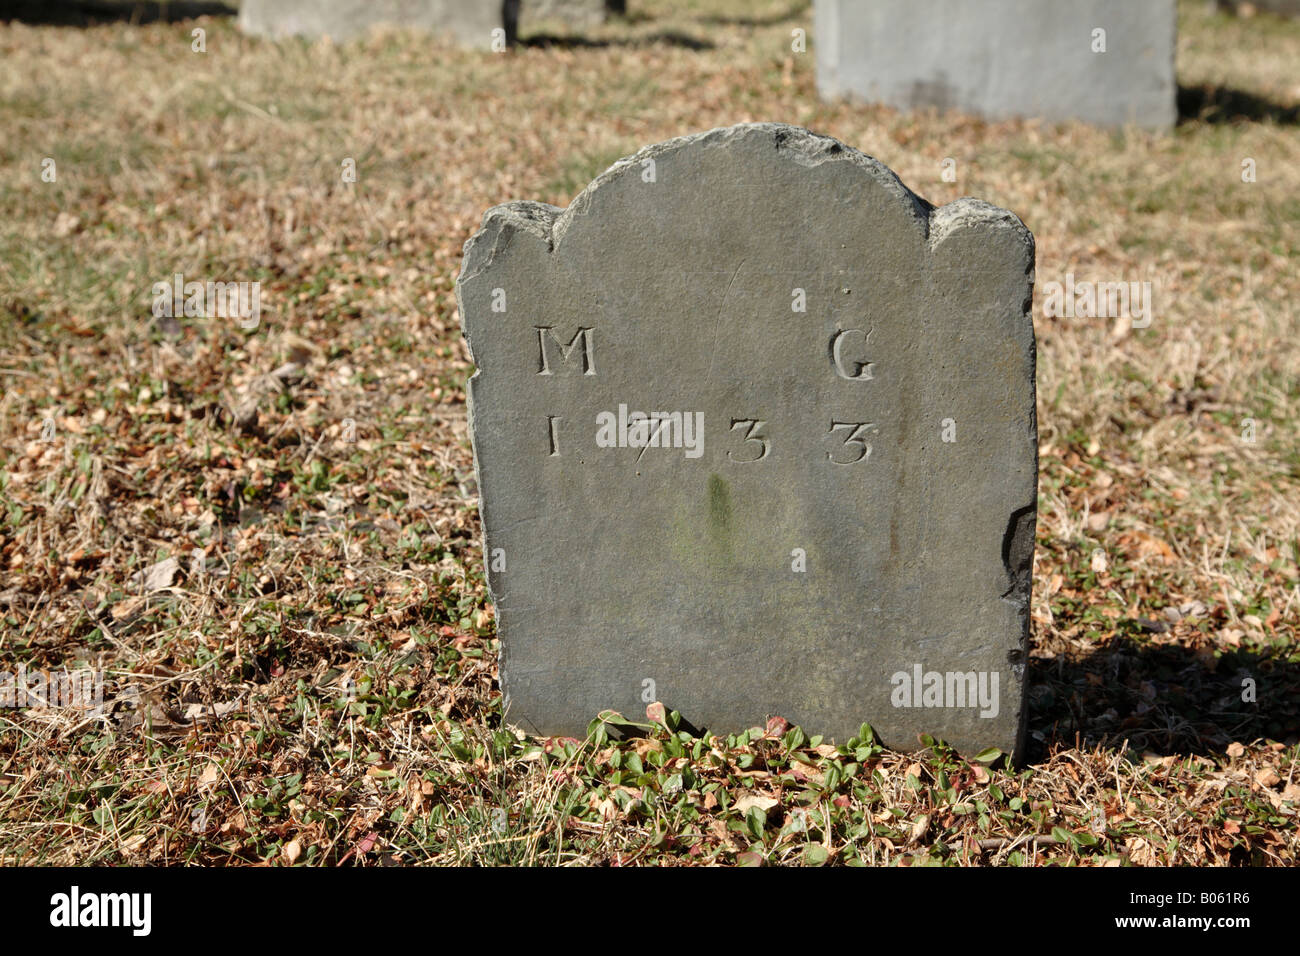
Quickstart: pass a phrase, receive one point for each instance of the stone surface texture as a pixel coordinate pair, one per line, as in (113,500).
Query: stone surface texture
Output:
(626,574)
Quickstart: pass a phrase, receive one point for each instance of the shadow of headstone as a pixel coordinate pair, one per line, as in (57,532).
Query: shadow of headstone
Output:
(1222,104)
(1161,699)
(669,37)
(84,13)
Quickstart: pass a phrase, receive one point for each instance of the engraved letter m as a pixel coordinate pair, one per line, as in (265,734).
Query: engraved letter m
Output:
(581,339)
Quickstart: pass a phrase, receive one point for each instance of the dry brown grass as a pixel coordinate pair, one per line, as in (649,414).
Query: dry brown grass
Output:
(326,561)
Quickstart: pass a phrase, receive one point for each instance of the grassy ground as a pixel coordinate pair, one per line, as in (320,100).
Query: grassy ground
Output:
(319,686)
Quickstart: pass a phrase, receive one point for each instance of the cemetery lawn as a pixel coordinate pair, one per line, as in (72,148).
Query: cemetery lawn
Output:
(318,686)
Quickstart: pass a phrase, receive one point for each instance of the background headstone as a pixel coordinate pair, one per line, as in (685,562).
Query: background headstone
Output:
(1003,58)
(860,368)
(468,22)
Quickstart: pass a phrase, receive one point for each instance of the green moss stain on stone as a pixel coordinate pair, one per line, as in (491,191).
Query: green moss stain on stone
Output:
(720,518)
(719,505)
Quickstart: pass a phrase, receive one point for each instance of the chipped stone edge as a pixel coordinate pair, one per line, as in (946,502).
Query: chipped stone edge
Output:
(550,224)
(1018,541)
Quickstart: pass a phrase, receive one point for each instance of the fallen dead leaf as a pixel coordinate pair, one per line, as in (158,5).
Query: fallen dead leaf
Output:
(807,772)
(65,224)
(750,800)
(158,576)
(210,776)
(1267,777)
(129,608)
(201,711)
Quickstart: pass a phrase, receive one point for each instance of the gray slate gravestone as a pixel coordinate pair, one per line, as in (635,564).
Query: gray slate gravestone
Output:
(1003,58)
(468,22)
(796,537)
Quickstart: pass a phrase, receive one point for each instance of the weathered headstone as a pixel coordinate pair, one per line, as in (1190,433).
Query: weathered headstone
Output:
(473,23)
(1109,62)
(755,435)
